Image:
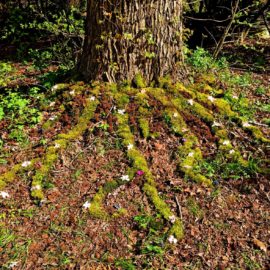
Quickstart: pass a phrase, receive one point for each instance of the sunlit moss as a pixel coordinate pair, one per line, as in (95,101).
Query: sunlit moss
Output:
(10,175)
(139,81)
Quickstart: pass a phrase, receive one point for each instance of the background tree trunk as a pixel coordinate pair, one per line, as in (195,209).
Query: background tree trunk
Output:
(129,37)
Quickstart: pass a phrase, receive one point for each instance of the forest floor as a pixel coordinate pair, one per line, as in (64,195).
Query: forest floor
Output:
(98,177)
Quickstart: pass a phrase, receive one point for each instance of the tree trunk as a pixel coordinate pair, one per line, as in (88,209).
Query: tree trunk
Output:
(129,37)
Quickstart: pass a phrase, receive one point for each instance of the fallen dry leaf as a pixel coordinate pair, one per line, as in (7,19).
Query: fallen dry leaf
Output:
(260,245)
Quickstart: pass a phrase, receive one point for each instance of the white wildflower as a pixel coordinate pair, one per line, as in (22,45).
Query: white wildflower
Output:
(172,239)
(92,98)
(226,142)
(172,218)
(210,98)
(4,194)
(86,205)
(125,178)
(12,264)
(57,145)
(175,114)
(231,152)
(130,146)
(121,111)
(191,154)
(52,104)
(184,129)
(55,87)
(72,92)
(190,102)
(235,97)
(188,167)
(53,117)
(216,124)
(26,163)
(143,91)
(36,187)
(246,124)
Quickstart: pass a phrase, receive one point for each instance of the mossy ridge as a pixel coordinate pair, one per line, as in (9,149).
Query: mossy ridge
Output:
(179,126)
(96,210)
(255,131)
(10,175)
(224,144)
(144,114)
(225,110)
(61,143)
(190,156)
(140,163)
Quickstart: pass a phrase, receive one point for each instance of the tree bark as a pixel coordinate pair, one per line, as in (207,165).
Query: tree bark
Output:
(129,37)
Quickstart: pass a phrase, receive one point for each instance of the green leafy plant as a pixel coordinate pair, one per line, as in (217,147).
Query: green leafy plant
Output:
(200,59)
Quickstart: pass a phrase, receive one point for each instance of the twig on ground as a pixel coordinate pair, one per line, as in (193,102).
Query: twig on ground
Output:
(179,207)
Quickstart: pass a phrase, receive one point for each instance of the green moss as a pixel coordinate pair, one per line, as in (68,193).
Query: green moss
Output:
(140,163)
(51,155)
(177,229)
(160,95)
(225,108)
(120,213)
(144,126)
(121,99)
(202,112)
(190,156)
(139,81)
(10,175)
(256,132)
(82,124)
(178,124)
(165,83)
(159,204)
(60,87)
(207,78)
(124,130)
(221,133)
(96,209)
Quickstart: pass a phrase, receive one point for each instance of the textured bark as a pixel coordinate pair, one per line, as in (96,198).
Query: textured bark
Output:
(129,37)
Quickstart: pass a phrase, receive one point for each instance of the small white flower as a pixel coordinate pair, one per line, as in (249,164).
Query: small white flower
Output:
(211,98)
(172,218)
(191,154)
(188,167)
(55,87)
(125,178)
(130,146)
(12,264)
(121,111)
(226,142)
(53,117)
(57,145)
(72,92)
(4,194)
(190,102)
(184,129)
(246,124)
(52,104)
(92,98)
(235,97)
(172,239)
(216,124)
(143,91)
(36,187)
(86,205)
(175,114)
(231,152)
(26,163)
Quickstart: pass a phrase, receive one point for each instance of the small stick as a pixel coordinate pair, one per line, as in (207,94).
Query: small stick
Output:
(179,207)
